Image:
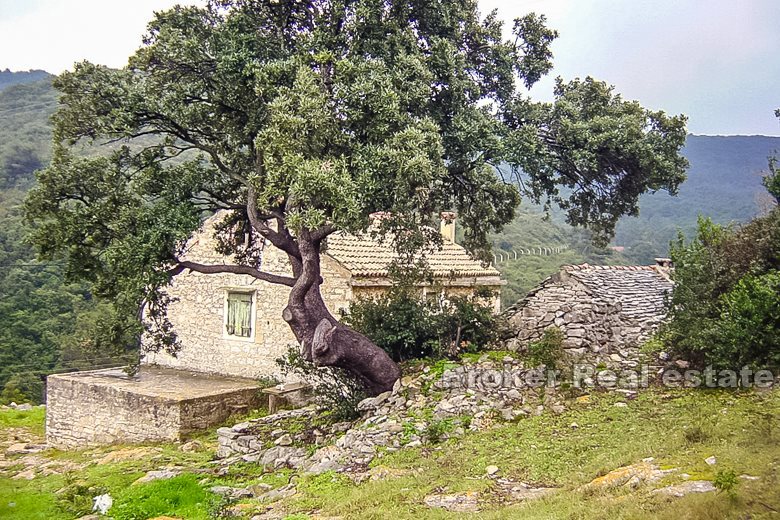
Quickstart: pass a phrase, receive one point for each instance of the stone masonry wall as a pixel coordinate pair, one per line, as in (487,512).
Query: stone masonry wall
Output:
(594,330)
(198,312)
(85,409)
(80,414)
(374,291)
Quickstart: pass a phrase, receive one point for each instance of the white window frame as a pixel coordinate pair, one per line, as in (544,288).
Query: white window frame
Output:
(252,314)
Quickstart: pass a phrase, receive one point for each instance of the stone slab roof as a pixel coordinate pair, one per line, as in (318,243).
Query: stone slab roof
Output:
(364,256)
(640,289)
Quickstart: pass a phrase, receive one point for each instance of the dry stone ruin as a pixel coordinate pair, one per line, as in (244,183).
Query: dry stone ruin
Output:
(605,312)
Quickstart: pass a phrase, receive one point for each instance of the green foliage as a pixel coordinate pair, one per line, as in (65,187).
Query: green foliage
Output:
(748,328)
(437,428)
(264,108)
(46,320)
(399,322)
(600,142)
(771,180)
(409,327)
(726,481)
(334,388)
(725,306)
(75,498)
(548,351)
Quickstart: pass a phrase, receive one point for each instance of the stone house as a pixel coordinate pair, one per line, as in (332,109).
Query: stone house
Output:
(605,312)
(231,332)
(232,324)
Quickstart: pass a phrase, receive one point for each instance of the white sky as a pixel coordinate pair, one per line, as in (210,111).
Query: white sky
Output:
(714,60)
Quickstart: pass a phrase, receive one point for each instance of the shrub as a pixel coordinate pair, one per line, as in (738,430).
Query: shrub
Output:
(548,351)
(409,327)
(726,481)
(748,331)
(334,388)
(437,429)
(724,308)
(399,322)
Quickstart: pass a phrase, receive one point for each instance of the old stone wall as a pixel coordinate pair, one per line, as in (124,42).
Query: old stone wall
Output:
(79,414)
(595,331)
(104,407)
(375,291)
(198,313)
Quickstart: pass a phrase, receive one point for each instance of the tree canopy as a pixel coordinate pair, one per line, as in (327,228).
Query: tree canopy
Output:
(305,117)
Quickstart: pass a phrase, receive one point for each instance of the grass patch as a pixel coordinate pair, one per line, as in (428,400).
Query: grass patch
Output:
(33,420)
(548,450)
(180,496)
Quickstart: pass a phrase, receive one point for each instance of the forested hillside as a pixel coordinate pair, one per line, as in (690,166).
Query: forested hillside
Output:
(42,317)
(724,183)
(529,232)
(8,78)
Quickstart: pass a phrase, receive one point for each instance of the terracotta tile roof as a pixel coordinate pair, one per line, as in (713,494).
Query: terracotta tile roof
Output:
(367,257)
(641,289)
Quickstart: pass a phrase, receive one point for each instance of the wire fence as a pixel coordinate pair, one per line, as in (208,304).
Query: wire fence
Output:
(501,256)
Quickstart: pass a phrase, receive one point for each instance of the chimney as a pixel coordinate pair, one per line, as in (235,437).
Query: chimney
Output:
(448,225)
(664,267)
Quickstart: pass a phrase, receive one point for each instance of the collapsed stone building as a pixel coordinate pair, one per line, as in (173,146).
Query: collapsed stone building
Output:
(231,332)
(604,312)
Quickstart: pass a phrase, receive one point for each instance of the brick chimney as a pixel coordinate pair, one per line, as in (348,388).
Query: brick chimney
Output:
(448,225)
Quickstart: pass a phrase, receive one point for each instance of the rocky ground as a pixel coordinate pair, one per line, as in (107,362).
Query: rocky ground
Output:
(450,439)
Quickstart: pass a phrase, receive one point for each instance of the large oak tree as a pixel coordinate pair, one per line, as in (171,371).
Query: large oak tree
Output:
(303,118)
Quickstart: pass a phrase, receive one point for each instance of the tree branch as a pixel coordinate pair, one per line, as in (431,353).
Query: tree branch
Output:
(232,269)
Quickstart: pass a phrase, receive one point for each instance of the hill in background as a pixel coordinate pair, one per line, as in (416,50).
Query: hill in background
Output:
(8,78)
(724,183)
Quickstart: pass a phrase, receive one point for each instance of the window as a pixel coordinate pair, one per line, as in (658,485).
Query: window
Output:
(238,321)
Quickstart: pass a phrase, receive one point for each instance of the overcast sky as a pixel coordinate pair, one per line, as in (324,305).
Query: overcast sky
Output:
(715,60)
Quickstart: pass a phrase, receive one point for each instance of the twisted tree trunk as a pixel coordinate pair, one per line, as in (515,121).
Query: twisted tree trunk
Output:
(324,340)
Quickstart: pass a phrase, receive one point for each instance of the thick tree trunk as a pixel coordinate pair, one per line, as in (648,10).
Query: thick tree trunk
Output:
(324,340)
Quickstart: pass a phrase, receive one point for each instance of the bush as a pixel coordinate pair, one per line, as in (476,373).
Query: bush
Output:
(548,351)
(334,388)
(726,481)
(408,327)
(748,331)
(725,308)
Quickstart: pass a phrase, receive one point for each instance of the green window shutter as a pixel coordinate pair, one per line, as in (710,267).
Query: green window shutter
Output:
(239,314)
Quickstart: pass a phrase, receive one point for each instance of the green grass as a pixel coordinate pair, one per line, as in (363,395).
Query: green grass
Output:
(741,431)
(32,420)
(678,428)
(180,496)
